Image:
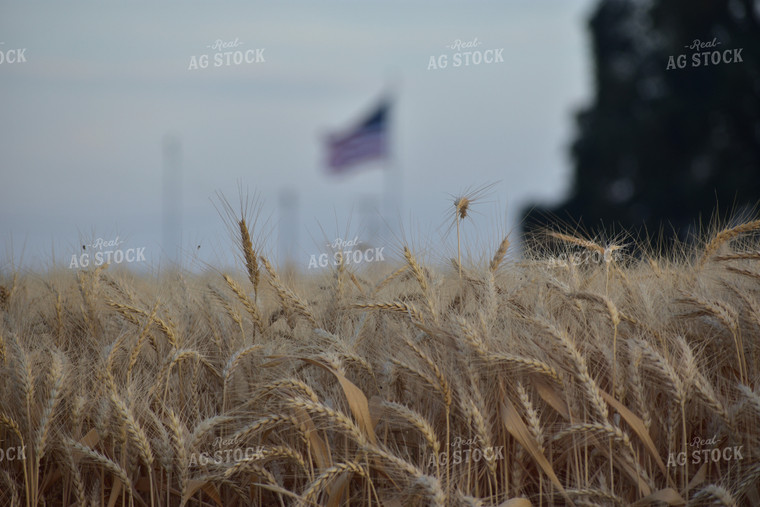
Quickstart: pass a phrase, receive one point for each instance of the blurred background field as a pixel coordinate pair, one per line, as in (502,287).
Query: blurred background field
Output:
(108,131)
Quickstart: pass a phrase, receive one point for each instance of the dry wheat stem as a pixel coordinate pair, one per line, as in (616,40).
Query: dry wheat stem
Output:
(287,297)
(321,482)
(395,306)
(499,255)
(249,305)
(292,384)
(720,494)
(105,462)
(585,243)
(533,365)
(725,236)
(581,368)
(419,275)
(249,254)
(388,279)
(414,418)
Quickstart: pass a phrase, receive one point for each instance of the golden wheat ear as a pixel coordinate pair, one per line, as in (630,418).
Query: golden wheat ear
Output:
(249,230)
(725,236)
(462,208)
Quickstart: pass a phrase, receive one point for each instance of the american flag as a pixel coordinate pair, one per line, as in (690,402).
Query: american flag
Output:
(366,141)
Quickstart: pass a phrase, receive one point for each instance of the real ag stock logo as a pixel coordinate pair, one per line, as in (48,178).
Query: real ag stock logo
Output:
(102,251)
(474,452)
(465,54)
(706,450)
(227,451)
(346,252)
(13,453)
(226,54)
(702,58)
(11,56)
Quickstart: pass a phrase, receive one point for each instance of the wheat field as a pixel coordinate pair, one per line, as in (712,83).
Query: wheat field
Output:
(544,381)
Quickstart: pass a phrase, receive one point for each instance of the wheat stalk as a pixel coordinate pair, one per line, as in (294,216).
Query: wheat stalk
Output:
(293,384)
(74,475)
(414,418)
(179,441)
(100,459)
(136,435)
(287,297)
(721,495)
(268,421)
(534,422)
(499,255)
(725,236)
(388,279)
(232,364)
(604,428)
(231,312)
(129,312)
(581,368)
(608,497)
(445,390)
(729,318)
(249,305)
(527,363)
(461,210)
(249,254)
(57,376)
(421,374)
(585,243)
(395,306)
(419,275)
(638,387)
(443,384)
(274,452)
(749,479)
(312,492)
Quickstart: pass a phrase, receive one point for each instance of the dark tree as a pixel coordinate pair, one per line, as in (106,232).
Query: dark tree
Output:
(659,148)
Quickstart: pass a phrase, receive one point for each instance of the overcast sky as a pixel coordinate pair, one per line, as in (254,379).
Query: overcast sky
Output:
(83,119)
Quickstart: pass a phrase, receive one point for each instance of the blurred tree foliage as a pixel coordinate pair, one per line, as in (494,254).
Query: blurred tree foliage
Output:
(658,149)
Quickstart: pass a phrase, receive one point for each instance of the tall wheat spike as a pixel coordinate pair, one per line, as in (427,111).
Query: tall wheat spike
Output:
(462,207)
(725,236)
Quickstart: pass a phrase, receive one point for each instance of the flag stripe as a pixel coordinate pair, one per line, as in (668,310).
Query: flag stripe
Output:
(366,141)
(367,146)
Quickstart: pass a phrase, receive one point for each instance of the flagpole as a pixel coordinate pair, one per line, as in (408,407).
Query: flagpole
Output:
(388,189)
(393,180)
